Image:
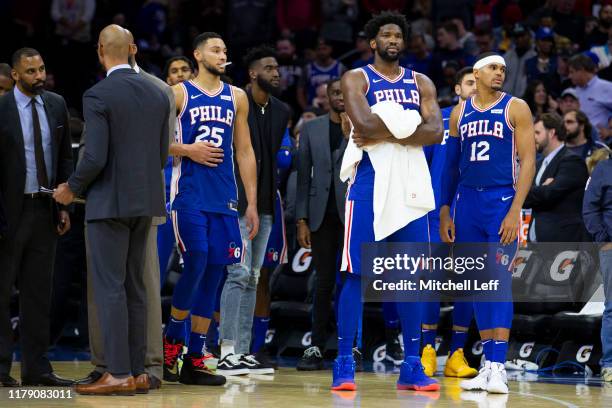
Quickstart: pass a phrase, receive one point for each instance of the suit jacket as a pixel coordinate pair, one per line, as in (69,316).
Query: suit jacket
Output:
(12,155)
(279,119)
(557,207)
(171,124)
(127,146)
(318,171)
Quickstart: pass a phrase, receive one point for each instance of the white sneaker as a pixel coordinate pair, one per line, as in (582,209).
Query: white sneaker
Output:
(478,383)
(498,381)
(232,365)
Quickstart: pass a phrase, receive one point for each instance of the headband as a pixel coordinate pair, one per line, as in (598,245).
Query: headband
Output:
(491,59)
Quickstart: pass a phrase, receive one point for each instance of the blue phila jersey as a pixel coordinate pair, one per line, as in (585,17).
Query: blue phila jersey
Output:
(404,90)
(318,75)
(206,117)
(436,158)
(488,152)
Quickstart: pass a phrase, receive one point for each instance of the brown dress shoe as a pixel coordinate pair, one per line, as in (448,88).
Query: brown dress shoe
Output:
(142,384)
(108,385)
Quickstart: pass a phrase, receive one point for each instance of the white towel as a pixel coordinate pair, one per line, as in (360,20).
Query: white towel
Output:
(402,183)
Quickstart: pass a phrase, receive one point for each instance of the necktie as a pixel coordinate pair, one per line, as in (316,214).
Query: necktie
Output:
(41,169)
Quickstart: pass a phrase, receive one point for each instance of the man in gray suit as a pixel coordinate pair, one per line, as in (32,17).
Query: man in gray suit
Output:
(154,356)
(320,210)
(127,124)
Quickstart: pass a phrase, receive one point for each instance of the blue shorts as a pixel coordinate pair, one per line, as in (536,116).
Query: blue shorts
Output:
(276,251)
(359,229)
(217,234)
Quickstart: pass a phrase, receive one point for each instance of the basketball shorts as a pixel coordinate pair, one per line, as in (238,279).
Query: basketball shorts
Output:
(359,229)
(217,234)
(276,251)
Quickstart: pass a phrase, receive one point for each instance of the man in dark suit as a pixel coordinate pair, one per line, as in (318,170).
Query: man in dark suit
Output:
(268,117)
(127,145)
(320,210)
(34,152)
(558,189)
(154,357)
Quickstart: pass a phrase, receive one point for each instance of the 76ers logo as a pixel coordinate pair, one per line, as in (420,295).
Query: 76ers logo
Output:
(234,251)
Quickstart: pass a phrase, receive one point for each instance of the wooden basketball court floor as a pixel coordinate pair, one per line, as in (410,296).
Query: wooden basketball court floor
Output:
(289,388)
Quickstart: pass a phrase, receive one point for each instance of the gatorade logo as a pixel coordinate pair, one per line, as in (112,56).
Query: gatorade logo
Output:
(270,335)
(307,339)
(562,267)
(301,260)
(477,348)
(526,349)
(584,353)
(379,354)
(522,257)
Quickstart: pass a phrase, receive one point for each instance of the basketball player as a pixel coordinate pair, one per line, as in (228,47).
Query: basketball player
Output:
(362,88)
(456,365)
(204,204)
(178,69)
(486,133)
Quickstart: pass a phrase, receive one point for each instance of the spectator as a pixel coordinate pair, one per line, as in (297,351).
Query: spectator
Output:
(568,23)
(467,40)
(320,211)
(543,66)
(178,69)
(6,81)
(516,80)
(73,19)
(597,213)
(594,94)
(339,17)
(300,18)
(318,72)
(578,134)
(485,40)
(290,70)
(511,15)
(449,49)
(603,51)
(418,58)
(568,101)
(599,36)
(555,197)
(363,49)
(321,101)
(538,99)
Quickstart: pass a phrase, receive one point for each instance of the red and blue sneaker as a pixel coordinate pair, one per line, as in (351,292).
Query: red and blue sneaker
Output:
(412,377)
(344,374)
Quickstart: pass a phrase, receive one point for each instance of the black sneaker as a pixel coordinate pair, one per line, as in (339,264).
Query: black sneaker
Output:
(264,357)
(172,352)
(358,357)
(394,352)
(231,365)
(312,360)
(195,371)
(255,366)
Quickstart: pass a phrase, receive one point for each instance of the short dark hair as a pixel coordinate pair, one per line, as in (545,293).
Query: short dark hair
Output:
(329,82)
(257,53)
(552,121)
(5,70)
(450,28)
(485,55)
(582,62)
(23,52)
(463,72)
(174,59)
(372,27)
(202,38)
(583,120)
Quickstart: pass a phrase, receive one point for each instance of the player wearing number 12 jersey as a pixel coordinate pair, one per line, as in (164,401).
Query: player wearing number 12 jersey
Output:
(487,131)
(204,202)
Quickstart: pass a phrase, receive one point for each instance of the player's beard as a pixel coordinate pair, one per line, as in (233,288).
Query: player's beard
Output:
(385,56)
(267,86)
(212,69)
(569,136)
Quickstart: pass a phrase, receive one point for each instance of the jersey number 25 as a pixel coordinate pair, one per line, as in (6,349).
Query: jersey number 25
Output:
(215,134)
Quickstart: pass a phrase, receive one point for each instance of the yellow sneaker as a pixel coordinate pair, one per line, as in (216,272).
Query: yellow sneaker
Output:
(457,366)
(429,360)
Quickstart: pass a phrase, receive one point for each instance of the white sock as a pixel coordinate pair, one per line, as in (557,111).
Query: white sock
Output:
(227,347)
